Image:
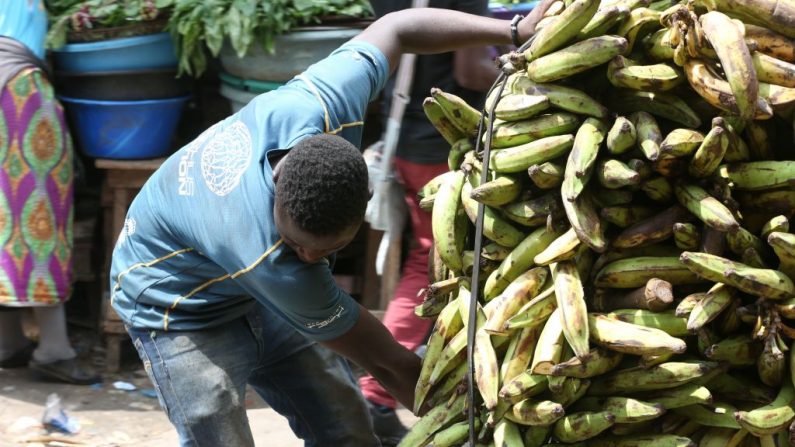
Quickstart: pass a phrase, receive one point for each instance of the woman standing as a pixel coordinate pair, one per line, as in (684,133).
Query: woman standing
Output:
(36,200)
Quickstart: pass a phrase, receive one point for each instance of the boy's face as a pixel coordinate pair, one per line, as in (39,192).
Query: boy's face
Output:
(310,248)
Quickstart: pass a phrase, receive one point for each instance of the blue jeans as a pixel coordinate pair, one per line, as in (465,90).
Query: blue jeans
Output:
(200,379)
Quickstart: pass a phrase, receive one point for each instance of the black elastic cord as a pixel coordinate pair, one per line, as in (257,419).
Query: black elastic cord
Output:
(473,299)
(515,29)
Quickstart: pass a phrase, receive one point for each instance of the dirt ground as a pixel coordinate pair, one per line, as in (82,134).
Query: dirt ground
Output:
(110,417)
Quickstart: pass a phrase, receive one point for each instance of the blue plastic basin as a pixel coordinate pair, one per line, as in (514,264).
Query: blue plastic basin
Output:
(124,130)
(128,53)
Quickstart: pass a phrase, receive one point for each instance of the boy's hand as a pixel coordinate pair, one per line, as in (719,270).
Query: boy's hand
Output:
(527,27)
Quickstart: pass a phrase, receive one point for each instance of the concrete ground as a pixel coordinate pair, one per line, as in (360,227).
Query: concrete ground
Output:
(109,417)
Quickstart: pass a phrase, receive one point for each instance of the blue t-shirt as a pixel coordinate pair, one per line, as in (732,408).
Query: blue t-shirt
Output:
(200,246)
(25,21)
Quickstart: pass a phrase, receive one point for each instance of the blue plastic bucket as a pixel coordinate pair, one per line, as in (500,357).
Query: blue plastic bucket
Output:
(124,130)
(128,53)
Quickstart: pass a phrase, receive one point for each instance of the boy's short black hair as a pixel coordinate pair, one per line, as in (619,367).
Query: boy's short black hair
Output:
(323,185)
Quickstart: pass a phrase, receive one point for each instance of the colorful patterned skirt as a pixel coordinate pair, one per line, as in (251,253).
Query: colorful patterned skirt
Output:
(36,189)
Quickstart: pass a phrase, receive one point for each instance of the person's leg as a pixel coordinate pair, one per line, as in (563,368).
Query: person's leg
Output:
(54,342)
(15,348)
(309,385)
(200,380)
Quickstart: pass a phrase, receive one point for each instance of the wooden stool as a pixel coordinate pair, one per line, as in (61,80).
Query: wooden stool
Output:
(123,179)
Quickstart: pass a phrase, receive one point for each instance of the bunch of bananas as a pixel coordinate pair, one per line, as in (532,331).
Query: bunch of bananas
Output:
(637,282)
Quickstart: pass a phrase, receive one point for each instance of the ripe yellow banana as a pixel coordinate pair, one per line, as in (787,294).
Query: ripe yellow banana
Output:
(518,293)
(549,348)
(535,312)
(571,304)
(576,58)
(717,92)
(487,375)
(727,39)
(561,249)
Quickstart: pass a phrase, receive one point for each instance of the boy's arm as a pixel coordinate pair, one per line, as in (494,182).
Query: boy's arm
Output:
(431,30)
(370,345)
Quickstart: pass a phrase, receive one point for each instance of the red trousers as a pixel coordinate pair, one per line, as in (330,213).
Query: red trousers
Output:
(408,329)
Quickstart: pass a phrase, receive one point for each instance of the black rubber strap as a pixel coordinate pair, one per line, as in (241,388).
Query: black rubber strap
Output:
(514,29)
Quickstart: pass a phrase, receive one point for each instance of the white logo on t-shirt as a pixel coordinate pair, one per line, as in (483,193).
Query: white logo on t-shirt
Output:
(321,324)
(126,231)
(186,183)
(225,158)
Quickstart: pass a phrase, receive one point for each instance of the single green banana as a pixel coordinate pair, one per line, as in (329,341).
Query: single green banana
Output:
(612,197)
(680,396)
(535,436)
(771,418)
(707,208)
(546,175)
(535,413)
(759,175)
(495,227)
(458,151)
(520,291)
(663,376)
(740,388)
(487,370)
(614,174)
(576,58)
(453,435)
(768,283)
(783,245)
(519,354)
(517,107)
(739,240)
(563,29)
(422,432)
(622,136)
(443,125)
(663,440)
(718,414)
(578,427)
(688,303)
(637,271)
(711,151)
(666,320)
(777,224)
(549,349)
(519,158)
(628,410)
(681,143)
(586,222)
(535,312)
(582,157)
(561,249)
(523,386)
(604,19)
(772,363)
(687,236)
(465,117)
(598,361)
(503,189)
(507,434)
(722,437)
(626,73)
(625,216)
(649,136)
(508,134)
(658,189)
(661,104)
(736,350)
(631,338)
(533,212)
(571,305)
(520,259)
(561,97)
(710,307)
(570,390)
(447,325)
(443,221)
